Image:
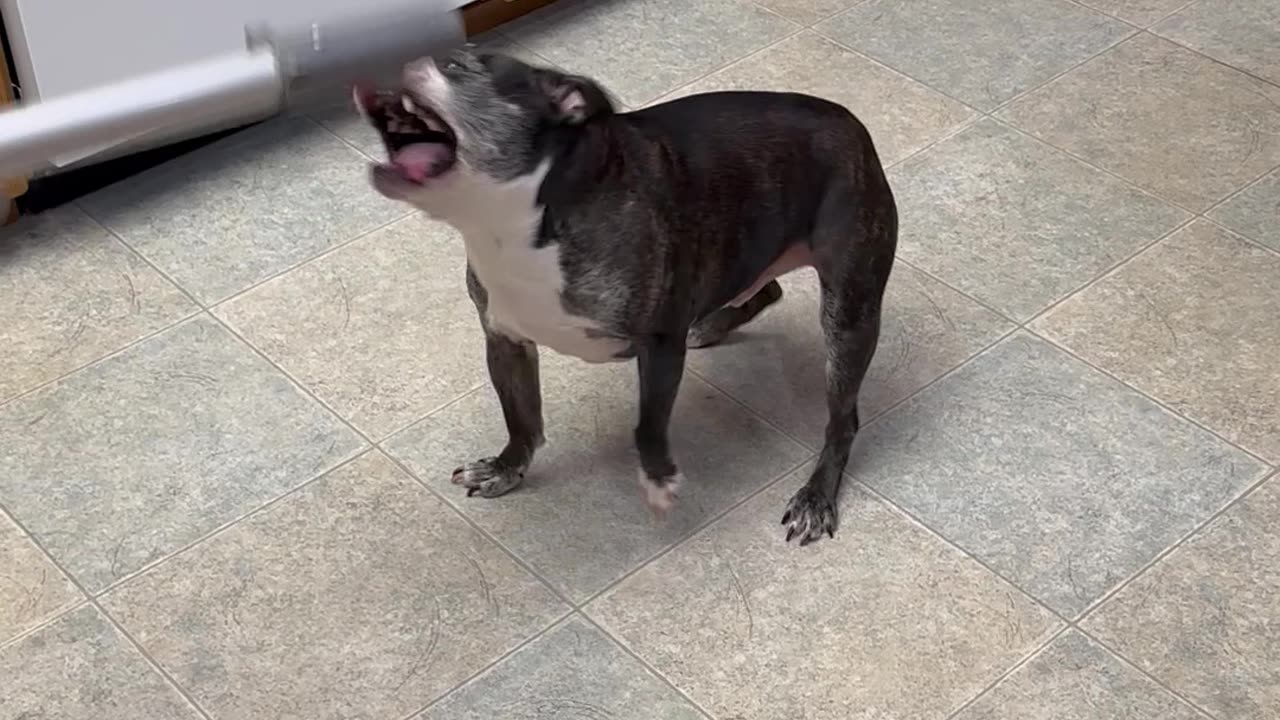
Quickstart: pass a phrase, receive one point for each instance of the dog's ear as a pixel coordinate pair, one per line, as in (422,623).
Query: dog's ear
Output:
(574,99)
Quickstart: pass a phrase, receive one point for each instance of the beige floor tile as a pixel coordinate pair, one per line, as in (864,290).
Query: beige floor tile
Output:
(916,117)
(137,456)
(1061,479)
(1016,223)
(640,49)
(1244,34)
(807,12)
(574,671)
(978,51)
(579,519)
(1255,211)
(71,294)
(1142,13)
(1164,117)
(236,212)
(884,621)
(381,330)
(81,668)
(32,589)
(1204,619)
(776,364)
(1076,679)
(362,596)
(1193,322)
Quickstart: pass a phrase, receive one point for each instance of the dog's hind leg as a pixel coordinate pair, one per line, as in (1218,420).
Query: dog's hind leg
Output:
(713,328)
(853,274)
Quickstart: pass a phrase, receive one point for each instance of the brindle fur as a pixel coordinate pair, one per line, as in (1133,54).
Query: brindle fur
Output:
(664,215)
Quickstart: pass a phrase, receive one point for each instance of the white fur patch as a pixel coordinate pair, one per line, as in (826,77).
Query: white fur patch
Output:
(499,223)
(661,499)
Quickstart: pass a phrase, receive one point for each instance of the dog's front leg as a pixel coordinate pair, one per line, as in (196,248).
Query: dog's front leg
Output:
(661,364)
(513,371)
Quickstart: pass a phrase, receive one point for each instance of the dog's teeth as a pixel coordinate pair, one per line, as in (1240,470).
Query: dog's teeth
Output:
(408,104)
(433,124)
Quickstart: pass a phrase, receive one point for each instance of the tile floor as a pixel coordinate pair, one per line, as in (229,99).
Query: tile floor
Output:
(231,391)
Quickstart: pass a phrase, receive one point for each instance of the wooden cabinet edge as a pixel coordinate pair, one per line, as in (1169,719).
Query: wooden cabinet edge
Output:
(485,15)
(10,188)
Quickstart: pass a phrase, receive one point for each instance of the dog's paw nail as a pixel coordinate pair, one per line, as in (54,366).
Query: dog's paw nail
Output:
(809,516)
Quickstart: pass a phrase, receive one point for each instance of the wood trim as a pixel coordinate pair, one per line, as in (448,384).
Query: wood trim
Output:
(9,188)
(484,15)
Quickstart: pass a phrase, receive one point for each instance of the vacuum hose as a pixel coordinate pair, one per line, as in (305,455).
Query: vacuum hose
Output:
(279,68)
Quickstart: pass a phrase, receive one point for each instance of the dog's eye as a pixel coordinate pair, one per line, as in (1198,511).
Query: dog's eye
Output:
(453,65)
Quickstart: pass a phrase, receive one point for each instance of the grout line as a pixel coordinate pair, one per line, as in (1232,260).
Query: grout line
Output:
(1104,13)
(1007,673)
(951,371)
(859,53)
(1133,32)
(1238,499)
(950,133)
(1208,57)
(1157,401)
(196,312)
(755,414)
(1086,161)
(331,250)
(1241,236)
(964,293)
(694,533)
(51,620)
(1186,4)
(223,528)
(1114,270)
(626,648)
(1103,274)
(81,599)
(143,258)
(1256,181)
(559,622)
(427,415)
(936,534)
(475,526)
(89,600)
(810,25)
(1159,683)
(173,682)
(662,96)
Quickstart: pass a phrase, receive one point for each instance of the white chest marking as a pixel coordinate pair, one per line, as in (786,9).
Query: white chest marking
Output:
(499,224)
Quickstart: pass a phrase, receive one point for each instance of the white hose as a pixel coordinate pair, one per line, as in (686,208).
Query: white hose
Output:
(242,86)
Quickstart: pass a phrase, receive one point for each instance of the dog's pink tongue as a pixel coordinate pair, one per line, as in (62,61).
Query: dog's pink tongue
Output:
(420,160)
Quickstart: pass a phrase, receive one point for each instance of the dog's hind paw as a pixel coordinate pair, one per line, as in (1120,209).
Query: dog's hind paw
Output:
(809,515)
(489,477)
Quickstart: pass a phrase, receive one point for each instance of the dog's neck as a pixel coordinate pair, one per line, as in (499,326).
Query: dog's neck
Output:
(488,212)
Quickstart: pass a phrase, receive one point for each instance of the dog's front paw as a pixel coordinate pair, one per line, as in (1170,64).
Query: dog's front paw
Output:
(489,477)
(809,514)
(660,494)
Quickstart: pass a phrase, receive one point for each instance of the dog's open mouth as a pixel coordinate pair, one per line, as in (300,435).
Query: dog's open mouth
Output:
(420,145)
